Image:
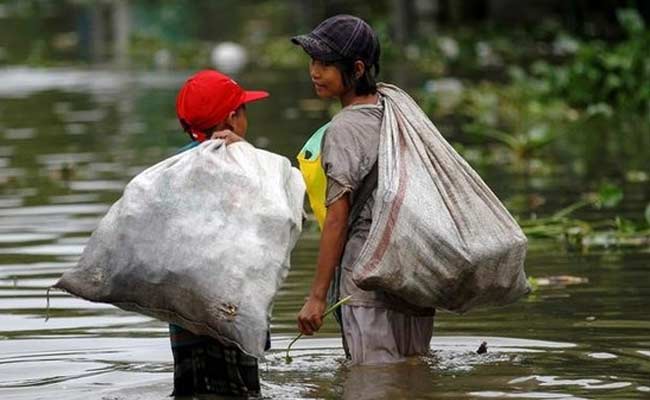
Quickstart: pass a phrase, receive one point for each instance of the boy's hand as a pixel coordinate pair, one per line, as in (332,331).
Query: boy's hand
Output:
(310,317)
(227,135)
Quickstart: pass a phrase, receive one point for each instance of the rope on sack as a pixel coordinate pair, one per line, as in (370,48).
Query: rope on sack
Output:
(47,307)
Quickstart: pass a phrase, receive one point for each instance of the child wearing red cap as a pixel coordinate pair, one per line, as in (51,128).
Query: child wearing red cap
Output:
(211,105)
(376,326)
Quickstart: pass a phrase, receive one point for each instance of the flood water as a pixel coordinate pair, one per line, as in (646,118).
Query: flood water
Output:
(71,139)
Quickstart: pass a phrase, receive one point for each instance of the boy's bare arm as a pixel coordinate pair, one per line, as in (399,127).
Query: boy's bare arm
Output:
(332,243)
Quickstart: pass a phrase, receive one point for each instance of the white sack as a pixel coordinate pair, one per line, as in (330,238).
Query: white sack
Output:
(439,237)
(201,240)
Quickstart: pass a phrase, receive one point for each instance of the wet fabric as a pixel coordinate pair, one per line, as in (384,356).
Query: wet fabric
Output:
(206,366)
(179,337)
(201,240)
(375,335)
(349,152)
(439,236)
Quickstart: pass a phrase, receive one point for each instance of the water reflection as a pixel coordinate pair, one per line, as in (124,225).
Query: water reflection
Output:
(525,395)
(583,383)
(124,368)
(19,82)
(409,379)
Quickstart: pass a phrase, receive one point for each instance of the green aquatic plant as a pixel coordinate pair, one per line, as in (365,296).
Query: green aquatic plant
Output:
(582,235)
(514,116)
(278,52)
(288,359)
(603,78)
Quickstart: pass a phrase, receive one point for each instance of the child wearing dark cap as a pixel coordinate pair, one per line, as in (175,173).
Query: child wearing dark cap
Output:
(376,326)
(211,105)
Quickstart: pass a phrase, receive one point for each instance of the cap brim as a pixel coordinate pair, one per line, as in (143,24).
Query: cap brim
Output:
(316,48)
(254,95)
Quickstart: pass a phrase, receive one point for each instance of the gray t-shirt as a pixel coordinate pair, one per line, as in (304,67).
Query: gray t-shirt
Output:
(349,151)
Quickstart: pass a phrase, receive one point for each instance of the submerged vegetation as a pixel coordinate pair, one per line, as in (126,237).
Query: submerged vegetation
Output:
(580,235)
(583,112)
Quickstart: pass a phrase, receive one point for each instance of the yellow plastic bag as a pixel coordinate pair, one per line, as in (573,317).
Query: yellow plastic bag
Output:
(309,161)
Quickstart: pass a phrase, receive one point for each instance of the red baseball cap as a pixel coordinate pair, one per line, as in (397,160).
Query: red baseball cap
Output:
(207,98)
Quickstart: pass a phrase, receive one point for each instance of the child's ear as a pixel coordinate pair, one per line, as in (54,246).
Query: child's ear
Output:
(230,119)
(359,69)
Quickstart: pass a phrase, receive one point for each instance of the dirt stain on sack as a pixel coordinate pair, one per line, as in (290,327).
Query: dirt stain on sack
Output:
(229,310)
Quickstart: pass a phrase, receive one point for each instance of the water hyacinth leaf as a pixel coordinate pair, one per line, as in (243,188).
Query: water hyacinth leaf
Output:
(647,214)
(625,225)
(630,20)
(609,195)
(518,74)
(539,136)
(602,109)
(637,176)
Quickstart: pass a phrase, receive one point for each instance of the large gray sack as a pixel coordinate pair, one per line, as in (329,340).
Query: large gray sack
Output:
(439,237)
(201,239)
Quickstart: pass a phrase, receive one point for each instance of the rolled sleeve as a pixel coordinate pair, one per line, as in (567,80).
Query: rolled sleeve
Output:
(342,160)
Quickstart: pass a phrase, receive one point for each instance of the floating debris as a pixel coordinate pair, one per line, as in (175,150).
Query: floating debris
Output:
(482,349)
(560,280)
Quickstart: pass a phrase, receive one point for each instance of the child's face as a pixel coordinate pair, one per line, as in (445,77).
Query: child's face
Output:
(327,79)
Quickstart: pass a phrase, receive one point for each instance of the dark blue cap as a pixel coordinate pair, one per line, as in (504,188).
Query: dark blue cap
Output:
(341,37)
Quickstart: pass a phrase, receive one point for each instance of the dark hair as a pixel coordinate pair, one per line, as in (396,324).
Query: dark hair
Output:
(365,84)
(209,131)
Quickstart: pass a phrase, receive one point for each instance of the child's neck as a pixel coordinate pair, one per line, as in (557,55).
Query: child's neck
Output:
(350,98)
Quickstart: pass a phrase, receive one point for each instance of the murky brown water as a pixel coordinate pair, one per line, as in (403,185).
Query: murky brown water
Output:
(70,140)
